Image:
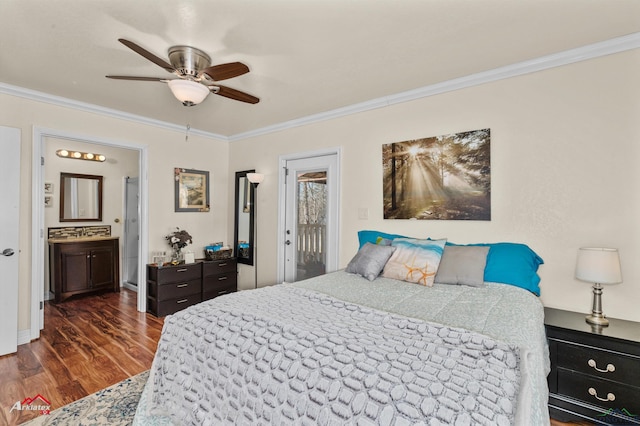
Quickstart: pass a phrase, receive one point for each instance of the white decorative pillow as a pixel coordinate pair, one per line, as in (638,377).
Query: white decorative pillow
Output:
(414,260)
(463,265)
(370,260)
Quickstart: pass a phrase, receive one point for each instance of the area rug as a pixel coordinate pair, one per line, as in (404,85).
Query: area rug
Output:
(113,406)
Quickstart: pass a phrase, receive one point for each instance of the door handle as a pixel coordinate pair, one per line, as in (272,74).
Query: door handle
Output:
(287,242)
(8,252)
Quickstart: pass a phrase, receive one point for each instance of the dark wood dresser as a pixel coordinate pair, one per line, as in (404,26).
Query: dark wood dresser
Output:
(83,265)
(173,288)
(219,277)
(595,371)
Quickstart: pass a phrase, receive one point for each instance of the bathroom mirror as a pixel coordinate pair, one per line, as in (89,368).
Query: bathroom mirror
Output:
(243,232)
(80,198)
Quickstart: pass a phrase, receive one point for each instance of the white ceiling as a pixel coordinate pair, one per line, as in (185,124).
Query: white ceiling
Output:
(306,56)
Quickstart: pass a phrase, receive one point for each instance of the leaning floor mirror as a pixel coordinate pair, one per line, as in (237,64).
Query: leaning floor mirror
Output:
(244,218)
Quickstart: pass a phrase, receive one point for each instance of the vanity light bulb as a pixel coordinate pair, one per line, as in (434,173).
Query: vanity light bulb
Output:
(63,153)
(101,157)
(89,156)
(76,155)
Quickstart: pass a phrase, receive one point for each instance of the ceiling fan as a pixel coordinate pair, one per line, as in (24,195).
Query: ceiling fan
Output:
(197,78)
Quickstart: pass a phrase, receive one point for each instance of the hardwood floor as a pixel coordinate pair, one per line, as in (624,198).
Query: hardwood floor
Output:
(87,344)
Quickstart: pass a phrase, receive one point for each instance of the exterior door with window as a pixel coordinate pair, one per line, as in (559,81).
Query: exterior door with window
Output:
(310,231)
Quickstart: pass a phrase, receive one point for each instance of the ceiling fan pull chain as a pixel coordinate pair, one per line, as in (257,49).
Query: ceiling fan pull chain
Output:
(186,135)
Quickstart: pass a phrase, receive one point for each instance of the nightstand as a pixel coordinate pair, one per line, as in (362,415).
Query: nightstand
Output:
(595,371)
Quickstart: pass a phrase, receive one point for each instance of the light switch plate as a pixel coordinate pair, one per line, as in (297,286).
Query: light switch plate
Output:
(363,213)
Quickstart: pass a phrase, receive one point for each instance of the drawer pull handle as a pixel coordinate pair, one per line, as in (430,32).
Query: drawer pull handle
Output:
(610,396)
(220,293)
(221,265)
(222,278)
(182,270)
(610,367)
(182,285)
(184,300)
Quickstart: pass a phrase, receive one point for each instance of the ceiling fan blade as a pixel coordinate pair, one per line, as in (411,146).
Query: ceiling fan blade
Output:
(148,55)
(234,94)
(225,71)
(124,77)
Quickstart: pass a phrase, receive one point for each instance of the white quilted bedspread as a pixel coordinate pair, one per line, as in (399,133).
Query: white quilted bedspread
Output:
(283,355)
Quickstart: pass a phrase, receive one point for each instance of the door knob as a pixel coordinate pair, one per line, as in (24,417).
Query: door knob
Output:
(7,252)
(287,242)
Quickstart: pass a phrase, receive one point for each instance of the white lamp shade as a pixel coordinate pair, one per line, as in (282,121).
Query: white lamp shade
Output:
(256,178)
(187,91)
(598,265)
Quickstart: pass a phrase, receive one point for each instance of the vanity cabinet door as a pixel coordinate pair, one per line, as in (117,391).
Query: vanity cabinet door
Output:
(102,267)
(75,270)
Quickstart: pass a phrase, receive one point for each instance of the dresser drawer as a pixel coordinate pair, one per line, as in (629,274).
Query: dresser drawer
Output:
(218,292)
(218,267)
(171,306)
(599,362)
(593,390)
(175,273)
(175,290)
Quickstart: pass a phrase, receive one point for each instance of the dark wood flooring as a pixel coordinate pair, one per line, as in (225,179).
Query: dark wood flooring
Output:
(87,344)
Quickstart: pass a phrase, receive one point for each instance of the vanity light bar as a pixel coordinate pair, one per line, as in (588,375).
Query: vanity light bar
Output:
(80,155)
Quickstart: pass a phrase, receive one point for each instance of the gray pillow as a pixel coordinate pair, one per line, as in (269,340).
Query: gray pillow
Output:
(462,265)
(370,260)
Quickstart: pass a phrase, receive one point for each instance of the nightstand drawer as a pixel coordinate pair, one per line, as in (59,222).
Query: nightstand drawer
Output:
(598,362)
(177,290)
(593,390)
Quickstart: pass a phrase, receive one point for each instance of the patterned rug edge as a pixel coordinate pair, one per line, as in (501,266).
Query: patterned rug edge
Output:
(113,406)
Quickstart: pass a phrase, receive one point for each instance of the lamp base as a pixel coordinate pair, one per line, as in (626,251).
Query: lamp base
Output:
(597,319)
(597,316)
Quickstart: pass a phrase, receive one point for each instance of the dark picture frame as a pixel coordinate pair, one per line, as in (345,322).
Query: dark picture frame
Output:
(191,190)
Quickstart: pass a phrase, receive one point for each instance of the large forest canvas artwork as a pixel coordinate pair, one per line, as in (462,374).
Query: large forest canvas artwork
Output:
(443,177)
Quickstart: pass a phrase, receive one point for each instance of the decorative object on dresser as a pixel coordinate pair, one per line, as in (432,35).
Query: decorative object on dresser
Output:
(175,287)
(178,240)
(595,370)
(83,265)
(598,266)
(255,179)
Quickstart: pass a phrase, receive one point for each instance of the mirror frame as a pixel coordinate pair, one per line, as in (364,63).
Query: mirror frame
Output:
(247,199)
(63,176)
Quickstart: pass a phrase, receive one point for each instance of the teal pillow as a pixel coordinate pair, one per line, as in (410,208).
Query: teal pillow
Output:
(512,263)
(369,236)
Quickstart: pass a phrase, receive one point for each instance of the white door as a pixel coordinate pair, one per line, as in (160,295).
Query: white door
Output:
(9,225)
(310,231)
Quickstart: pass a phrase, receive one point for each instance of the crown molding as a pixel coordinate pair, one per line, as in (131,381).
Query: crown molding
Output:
(591,51)
(34,95)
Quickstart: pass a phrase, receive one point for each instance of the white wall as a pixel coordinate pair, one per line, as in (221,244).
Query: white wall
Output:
(167,150)
(565,151)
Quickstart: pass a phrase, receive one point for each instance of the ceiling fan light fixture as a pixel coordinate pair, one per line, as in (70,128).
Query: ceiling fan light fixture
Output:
(188,92)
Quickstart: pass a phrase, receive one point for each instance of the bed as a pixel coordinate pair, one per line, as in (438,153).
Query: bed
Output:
(346,349)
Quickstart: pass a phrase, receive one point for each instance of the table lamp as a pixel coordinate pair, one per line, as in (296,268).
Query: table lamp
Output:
(598,266)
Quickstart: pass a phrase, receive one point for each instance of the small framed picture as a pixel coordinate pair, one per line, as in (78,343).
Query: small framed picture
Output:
(191,190)
(48,187)
(48,201)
